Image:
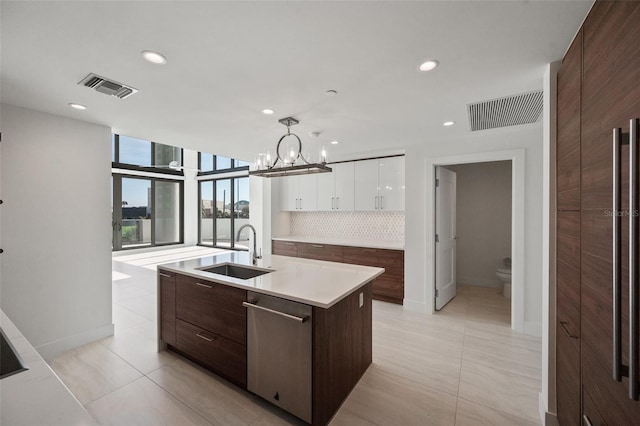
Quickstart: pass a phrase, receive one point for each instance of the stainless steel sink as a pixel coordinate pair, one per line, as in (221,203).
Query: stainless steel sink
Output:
(236,271)
(10,361)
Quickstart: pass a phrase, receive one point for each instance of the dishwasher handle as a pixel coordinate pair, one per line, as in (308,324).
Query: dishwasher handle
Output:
(272,311)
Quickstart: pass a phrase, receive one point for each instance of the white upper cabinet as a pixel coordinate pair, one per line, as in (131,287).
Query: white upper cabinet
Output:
(336,189)
(379,184)
(391,183)
(367,185)
(298,193)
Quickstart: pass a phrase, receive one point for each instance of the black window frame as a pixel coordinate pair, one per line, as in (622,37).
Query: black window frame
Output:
(216,171)
(117,192)
(116,164)
(232,218)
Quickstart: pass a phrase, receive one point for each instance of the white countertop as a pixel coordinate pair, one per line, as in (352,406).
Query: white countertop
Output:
(312,282)
(36,396)
(351,242)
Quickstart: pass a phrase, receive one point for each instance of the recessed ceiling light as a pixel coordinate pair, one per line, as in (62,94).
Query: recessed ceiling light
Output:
(154,57)
(77,106)
(428,65)
(448,123)
(267,111)
(334,142)
(331,92)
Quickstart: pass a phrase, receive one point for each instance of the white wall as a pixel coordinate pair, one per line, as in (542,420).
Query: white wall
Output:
(548,207)
(56,267)
(483,221)
(419,251)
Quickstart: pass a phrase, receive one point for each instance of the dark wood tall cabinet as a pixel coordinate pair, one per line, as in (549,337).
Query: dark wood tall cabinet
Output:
(598,90)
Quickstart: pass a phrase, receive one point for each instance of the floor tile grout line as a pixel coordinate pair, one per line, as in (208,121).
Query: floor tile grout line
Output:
(497,409)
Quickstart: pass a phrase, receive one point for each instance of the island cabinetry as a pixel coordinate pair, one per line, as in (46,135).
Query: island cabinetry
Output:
(210,326)
(389,286)
(167,305)
(326,252)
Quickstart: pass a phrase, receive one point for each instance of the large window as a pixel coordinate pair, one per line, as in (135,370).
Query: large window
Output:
(139,154)
(210,164)
(146,210)
(224,208)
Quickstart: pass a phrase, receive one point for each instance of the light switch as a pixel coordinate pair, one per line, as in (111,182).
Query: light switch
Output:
(361,298)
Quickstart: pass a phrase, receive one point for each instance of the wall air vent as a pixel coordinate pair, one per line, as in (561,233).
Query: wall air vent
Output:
(106,86)
(508,111)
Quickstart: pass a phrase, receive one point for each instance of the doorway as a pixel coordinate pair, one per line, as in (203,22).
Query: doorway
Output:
(473,236)
(517,159)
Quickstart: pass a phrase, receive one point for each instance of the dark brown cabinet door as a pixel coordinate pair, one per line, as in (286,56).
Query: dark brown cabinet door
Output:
(568,141)
(610,92)
(167,307)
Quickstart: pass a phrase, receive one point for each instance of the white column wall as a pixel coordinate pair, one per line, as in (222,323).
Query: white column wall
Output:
(56,266)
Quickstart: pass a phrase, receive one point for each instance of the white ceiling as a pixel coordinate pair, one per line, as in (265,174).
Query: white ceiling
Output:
(229,60)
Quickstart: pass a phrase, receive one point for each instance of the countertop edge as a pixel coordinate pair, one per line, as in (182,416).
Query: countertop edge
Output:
(337,242)
(233,282)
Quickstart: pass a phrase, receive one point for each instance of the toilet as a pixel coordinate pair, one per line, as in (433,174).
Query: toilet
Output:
(504,275)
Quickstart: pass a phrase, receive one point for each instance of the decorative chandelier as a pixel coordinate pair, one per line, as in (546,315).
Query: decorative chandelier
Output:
(292,163)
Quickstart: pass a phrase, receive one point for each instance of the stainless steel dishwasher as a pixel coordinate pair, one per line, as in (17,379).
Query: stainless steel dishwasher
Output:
(279,352)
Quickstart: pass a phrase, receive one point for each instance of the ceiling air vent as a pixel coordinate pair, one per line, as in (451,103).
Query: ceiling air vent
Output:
(508,111)
(106,86)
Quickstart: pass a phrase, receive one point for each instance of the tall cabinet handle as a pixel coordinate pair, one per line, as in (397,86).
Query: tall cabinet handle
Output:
(617,276)
(633,264)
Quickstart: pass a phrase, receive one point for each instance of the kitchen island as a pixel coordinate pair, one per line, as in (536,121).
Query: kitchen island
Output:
(298,335)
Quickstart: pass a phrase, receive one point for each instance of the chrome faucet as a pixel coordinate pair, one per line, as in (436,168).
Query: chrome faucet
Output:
(255,256)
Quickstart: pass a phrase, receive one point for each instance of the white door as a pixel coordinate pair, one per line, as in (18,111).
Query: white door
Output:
(344,183)
(391,183)
(288,193)
(366,185)
(445,236)
(326,190)
(307,192)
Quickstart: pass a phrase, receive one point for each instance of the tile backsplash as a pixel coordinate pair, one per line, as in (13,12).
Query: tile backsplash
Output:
(376,225)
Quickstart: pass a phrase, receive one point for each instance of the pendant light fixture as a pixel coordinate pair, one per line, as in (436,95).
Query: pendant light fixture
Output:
(292,163)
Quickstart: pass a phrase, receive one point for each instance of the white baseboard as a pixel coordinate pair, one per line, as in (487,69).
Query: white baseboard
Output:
(52,349)
(412,305)
(546,418)
(533,328)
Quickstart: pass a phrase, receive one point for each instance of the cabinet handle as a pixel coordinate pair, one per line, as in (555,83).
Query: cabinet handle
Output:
(633,263)
(300,203)
(566,330)
(205,337)
(165,275)
(586,421)
(333,204)
(272,311)
(289,244)
(617,275)
(204,285)
(337,203)
(316,245)
(382,202)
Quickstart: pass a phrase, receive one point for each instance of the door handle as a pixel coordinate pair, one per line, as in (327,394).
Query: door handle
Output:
(633,264)
(617,266)
(272,311)
(566,330)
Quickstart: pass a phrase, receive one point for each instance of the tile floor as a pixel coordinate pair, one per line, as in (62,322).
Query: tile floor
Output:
(462,366)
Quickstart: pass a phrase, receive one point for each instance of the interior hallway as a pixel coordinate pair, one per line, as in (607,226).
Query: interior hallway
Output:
(462,366)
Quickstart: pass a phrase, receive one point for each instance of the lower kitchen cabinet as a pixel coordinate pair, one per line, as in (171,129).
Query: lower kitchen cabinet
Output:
(388,287)
(167,306)
(225,357)
(326,252)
